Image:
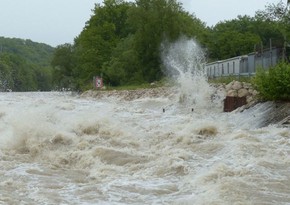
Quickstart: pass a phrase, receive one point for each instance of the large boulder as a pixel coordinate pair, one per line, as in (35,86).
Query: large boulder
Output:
(232,93)
(237,85)
(229,86)
(243,92)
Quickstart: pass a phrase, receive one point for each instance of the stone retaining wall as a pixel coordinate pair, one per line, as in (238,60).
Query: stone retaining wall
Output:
(242,89)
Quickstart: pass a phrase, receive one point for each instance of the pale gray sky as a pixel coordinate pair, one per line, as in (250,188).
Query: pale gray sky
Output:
(56,22)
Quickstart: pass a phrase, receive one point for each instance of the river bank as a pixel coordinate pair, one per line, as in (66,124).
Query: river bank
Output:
(277,112)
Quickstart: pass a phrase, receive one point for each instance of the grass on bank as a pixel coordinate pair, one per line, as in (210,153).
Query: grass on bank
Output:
(228,79)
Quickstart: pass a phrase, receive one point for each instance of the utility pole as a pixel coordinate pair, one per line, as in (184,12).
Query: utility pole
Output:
(271,55)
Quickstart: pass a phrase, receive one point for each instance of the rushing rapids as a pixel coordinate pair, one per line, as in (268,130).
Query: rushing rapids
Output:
(114,148)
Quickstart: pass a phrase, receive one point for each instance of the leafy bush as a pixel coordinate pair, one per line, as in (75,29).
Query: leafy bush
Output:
(274,84)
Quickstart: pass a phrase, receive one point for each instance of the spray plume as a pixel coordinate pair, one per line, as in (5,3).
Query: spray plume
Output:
(184,62)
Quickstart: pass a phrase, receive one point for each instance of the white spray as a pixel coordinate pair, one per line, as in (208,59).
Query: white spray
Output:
(184,62)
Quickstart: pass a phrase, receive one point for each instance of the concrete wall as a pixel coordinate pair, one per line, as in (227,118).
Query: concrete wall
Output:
(243,65)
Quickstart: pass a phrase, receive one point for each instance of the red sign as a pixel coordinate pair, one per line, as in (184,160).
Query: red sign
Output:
(99,82)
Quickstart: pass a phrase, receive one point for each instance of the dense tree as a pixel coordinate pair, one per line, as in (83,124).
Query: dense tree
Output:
(233,38)
(277,17)
(124,66)
(24,65)
(248,34)
(44,78)
(94,46)
(122,40)
(156,21)
(63,64)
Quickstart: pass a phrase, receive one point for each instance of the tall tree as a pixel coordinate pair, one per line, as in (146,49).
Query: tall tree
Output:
(156,21)
(93,47)
(233,38)
(121,41)
(63,63)
(278,16)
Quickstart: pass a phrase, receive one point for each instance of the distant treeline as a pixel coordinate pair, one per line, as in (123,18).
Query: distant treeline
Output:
(25,65)
(122,43)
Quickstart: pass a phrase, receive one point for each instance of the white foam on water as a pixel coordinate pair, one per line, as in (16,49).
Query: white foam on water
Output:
(56,148)
(62,149)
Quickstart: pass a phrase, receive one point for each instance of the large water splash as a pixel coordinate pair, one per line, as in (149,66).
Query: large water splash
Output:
(184,62)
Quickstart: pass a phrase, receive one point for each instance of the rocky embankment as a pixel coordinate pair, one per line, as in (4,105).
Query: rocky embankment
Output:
(277,112)
(133,94)
(233,89)
(240,89)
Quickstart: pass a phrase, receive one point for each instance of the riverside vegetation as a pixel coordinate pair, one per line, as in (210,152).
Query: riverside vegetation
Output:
(122,42)
(25,65)
(274,84)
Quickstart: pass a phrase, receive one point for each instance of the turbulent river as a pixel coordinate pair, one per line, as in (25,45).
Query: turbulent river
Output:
(174,148)
(56,148)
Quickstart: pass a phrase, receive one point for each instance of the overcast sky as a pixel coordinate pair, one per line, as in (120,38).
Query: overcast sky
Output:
(56,22)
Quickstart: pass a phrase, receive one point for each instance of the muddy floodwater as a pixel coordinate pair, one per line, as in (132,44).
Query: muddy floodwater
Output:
(56,148)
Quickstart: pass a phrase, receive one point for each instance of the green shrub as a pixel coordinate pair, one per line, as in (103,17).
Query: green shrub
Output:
(274,84)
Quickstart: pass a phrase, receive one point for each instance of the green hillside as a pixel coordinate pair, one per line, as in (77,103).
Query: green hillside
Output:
(36,53)
(25,65)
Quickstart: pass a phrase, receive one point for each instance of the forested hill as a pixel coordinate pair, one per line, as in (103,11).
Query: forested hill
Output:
(25,65)
(32,52)
(124,41)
